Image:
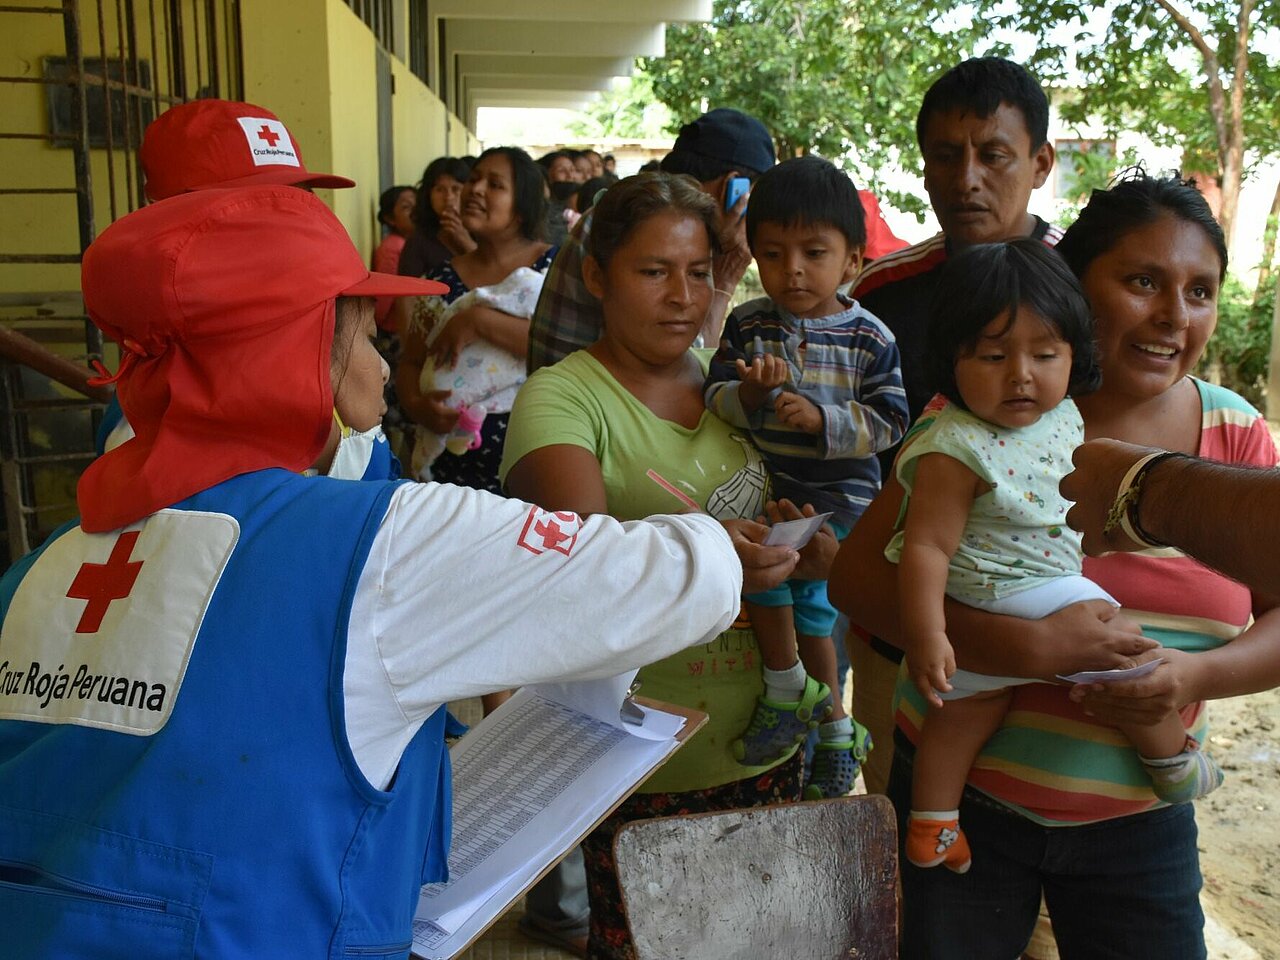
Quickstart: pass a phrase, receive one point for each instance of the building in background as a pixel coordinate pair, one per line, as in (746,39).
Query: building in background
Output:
(371,89)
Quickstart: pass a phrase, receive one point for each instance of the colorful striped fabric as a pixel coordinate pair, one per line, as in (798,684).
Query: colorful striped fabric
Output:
(1052,763)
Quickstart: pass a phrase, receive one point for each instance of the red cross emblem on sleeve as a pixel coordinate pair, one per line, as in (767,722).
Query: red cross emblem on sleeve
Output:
(269,135)
(544,530)
(103,583)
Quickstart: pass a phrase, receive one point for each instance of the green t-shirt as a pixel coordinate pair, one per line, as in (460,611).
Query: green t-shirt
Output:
(578,402)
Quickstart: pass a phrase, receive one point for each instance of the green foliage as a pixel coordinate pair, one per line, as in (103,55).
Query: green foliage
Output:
(1237,353)
(1092,170)
(825,76)
(842,76)
(629,111)
(1142,71)
(846,76)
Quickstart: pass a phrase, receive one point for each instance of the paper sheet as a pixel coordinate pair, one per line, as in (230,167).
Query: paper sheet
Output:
(795,533)
(1112,676)
(529,780)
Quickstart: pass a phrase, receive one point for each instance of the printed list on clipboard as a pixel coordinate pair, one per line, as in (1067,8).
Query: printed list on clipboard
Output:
(529,781)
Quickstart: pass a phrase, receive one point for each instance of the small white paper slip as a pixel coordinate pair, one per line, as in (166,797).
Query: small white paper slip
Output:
(1112,676)
(795,533)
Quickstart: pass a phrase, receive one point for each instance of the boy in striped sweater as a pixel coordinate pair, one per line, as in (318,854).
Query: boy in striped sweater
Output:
(815,381)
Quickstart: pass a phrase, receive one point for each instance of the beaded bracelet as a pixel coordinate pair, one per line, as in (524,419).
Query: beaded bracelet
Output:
(1124,509)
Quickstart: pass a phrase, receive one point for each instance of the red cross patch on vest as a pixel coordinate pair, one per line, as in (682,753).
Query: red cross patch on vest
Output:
(101,628)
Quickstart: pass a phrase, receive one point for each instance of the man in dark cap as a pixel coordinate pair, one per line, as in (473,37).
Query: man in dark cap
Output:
(718,146)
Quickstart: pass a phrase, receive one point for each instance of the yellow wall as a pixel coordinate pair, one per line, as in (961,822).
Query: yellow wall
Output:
(312,62)
(325,67)
(419,119)
(286,70)
(353,123)
(48,223)
(461,140)
(45,223)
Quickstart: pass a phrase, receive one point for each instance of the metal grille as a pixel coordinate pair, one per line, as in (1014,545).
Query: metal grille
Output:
(97,71)
(377,17)
(418,22)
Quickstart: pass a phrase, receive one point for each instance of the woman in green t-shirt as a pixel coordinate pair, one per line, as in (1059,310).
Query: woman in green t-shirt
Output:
(621,428)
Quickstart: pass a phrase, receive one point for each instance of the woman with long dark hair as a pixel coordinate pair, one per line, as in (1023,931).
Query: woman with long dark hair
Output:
(438,234)
(503,206)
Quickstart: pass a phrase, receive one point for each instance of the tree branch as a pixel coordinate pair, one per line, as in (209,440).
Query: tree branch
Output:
(1268,250)
(1213,72)
(1189,28)
(1239,75)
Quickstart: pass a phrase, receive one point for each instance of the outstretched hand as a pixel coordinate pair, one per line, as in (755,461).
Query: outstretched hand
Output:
(1100,465)
(1147,700)
(762,567)
(817,555)
(765,372)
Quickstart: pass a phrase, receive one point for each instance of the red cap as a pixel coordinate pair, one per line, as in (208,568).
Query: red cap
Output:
(223,304)
(222,143)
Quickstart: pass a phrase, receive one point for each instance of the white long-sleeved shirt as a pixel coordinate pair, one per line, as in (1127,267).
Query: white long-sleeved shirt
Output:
(465,593)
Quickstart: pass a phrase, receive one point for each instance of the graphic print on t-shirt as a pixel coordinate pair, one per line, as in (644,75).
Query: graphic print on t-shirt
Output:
(744,493)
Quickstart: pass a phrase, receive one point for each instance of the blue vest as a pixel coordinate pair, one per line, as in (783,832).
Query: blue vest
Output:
(383,464)
(243,827)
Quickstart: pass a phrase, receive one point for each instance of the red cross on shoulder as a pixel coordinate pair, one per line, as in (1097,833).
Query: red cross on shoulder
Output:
(103,583)
(269,135)
(545,530)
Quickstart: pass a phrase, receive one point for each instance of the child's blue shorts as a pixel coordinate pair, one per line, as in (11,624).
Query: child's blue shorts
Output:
(812,611)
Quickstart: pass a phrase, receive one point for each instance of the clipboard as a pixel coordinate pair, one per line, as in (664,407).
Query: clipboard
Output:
(695,720)
(522,802)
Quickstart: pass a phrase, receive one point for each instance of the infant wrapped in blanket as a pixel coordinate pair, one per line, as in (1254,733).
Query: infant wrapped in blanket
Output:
(485,375)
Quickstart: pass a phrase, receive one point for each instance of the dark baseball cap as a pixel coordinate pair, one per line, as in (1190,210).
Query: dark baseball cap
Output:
(728,136)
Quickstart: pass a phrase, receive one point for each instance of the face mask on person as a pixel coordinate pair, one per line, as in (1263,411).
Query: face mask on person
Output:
(362,454)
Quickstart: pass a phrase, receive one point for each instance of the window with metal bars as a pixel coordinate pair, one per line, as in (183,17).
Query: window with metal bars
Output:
(418,24)
(376,15)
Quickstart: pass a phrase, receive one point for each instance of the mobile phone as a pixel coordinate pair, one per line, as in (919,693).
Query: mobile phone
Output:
(734,190)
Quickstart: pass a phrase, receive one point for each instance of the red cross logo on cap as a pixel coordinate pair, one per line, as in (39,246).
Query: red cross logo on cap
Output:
(545,531)
(102,583)
(269,135)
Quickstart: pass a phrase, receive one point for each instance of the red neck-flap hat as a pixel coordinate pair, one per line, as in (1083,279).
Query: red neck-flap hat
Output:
(222,302)
(223,143)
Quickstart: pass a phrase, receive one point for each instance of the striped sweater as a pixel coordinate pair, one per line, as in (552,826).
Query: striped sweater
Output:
(846,365)
(1049,761)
